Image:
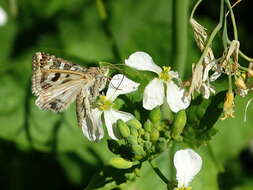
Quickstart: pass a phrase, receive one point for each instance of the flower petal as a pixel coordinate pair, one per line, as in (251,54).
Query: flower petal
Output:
(111,117)
(176,97)
(174,74)
(120,84)
(187,163)
(3,17)
(92,125)
(153,94)
(142,61)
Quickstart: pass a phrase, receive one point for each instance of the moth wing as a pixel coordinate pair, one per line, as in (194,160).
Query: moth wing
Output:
(55,81)
(49,71)
(88,119)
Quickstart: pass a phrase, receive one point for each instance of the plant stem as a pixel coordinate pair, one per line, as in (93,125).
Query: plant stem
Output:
(194,9)
(213,34)
(179,35)
(158,171)
(232,19)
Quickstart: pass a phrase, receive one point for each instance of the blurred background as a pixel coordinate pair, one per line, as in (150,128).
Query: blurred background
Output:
(44,150)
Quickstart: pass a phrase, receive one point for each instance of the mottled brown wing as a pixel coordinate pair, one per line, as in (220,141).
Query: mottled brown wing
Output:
(56,82)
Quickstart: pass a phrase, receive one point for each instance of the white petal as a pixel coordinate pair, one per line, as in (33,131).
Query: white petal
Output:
(120,84)
(187,163)
(142,61)
(176,97)
(204,90)
(111,117)
(153,94)
(92,125)
(207,69)
(3,17)
(174,74)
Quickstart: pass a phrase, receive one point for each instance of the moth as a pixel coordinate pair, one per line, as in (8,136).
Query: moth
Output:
(57,83)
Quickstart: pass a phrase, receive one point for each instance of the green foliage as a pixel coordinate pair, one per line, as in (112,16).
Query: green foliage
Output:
(32,140)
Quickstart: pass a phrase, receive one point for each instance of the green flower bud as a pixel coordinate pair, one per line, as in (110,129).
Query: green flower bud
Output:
(154,135)
(167,134)
(179,123)
(147,145)
(138,150)
(134,132)
(155,115)
(147,136)
(134,123)
(141,131)
(161,145)
(159,126)
(167,114)
(120,163)
(140,140)
(137,115)
(123,128)
(132,140)
(148,126)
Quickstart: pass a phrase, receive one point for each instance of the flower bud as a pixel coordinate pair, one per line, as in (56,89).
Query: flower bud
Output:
(250,73)
(134,123)
(147,136)
(154,135)
(123,128)
(138,152)
(134,132)
(155,115)
(148,126)
(147,145)
(167,114)
(141,131)
(120,163)
(161,145)
(178,124)
(132,140)
(240,83)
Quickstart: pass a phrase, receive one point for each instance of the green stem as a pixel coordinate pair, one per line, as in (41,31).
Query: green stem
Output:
(158,172)
(232,19)
(243,68)
(179,35)
(194,9)
(244,56)
(213,34)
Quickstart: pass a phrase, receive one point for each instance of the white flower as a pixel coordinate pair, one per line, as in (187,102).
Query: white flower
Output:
(154,92)
(93,130)
(187,163)
(3,17)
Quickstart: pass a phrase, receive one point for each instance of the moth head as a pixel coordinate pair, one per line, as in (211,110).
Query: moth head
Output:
(104,71)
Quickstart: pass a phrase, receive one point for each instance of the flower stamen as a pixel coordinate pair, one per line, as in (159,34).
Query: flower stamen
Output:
(103,103)
(164,75)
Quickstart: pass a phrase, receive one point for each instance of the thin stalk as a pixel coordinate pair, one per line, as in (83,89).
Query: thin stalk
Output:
(213,34)
(194,8)
(158,172)
(243,55)
(232,19)
(179,35)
